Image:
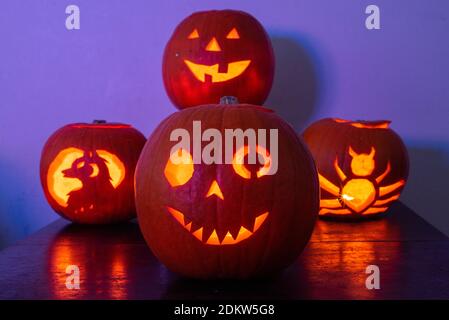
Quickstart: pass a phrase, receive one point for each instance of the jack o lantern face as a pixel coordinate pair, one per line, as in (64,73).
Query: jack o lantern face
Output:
(180,174)
(249,213)
(218,53)
(211,72)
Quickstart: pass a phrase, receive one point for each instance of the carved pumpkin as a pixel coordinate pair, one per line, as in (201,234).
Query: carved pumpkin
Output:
(87,171)
(232,220)
(362,165)
(218,53)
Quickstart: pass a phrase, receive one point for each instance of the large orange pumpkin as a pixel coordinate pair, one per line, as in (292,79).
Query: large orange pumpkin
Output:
(87,171)
(218,53)
(229,220)
(363,166)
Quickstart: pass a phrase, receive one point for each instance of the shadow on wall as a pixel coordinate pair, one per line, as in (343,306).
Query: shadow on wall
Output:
(296,88)
(13,204)
(427,189)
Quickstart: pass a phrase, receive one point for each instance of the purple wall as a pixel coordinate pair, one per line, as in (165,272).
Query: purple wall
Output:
(328,64)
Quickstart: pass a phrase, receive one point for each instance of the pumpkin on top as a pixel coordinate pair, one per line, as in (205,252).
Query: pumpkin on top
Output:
(218,53)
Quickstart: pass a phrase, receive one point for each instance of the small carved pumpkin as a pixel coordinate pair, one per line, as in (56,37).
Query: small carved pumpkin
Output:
(87,171)
(218,53)
(362,165)
(230,220)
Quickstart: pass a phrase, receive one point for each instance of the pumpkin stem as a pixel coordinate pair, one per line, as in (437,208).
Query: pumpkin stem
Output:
(229,100)
(98,121)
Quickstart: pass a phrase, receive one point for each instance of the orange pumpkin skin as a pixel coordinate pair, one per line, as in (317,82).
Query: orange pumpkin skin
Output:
(231,53)
(363,166)
(87,171)
(290,197)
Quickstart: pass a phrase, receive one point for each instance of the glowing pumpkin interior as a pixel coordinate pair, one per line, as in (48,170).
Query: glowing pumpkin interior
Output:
(72,167)
(382,124)
(202,72)
(358,191)
(180,168)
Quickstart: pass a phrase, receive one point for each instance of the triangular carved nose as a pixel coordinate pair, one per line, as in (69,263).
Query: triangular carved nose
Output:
(213,45)
(215,190)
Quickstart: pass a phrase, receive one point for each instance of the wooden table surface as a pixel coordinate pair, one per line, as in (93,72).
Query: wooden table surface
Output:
(115,263)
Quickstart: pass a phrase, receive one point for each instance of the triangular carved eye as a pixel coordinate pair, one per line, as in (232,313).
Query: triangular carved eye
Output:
(194,34)
(233,34)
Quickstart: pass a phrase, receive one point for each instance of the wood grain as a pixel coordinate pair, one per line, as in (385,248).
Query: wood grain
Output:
(115,263)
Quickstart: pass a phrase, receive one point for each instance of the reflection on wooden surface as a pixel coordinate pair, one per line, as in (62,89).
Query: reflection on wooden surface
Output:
(103,262)
(327,269)
(115,263)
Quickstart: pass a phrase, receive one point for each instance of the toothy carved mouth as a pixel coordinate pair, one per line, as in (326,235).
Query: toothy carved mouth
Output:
(234,70)
(213,239)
